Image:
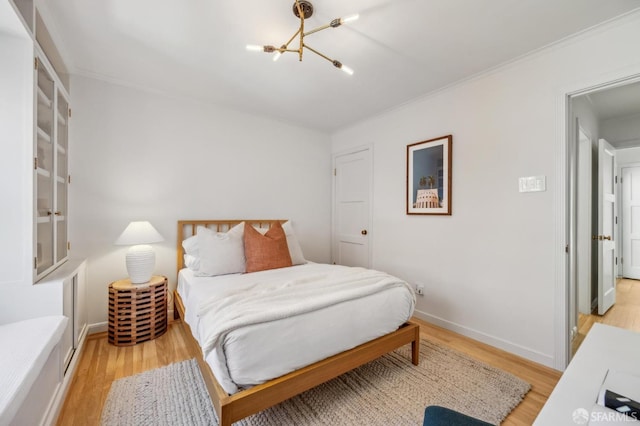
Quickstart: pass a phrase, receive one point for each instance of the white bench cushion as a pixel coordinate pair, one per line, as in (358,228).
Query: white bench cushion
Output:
(24,348)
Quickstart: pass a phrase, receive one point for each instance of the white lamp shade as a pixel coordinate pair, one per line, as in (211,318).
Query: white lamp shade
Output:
(141,258)
(139,233)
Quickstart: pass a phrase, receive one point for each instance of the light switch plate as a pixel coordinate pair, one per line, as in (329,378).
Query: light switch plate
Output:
(532,184)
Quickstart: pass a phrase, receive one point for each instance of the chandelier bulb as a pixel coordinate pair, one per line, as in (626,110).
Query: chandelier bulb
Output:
(256,48)
(346,69)
(343,67)
(277,55)
(349,18)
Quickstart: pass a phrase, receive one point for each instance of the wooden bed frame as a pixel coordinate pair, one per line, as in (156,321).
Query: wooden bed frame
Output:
(231,408)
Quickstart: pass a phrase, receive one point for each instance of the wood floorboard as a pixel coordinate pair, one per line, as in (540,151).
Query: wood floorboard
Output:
(101,363)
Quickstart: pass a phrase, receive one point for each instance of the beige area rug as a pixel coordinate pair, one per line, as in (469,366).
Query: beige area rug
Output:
(388,391)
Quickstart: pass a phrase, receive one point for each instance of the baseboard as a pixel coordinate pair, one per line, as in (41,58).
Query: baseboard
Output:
(99,327)
(497,342)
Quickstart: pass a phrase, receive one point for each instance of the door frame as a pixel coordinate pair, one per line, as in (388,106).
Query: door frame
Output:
(584,228)
(566,221)
(334,156)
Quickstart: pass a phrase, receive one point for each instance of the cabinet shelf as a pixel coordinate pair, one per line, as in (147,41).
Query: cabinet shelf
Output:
(43,135)
(61,179)
(43,99)
(61,119)
(61,150)
(43,172)
(43,219)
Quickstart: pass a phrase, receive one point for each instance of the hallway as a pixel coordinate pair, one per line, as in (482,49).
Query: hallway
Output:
(624,314)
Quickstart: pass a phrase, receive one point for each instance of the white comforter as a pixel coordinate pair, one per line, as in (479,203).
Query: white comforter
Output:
(266,332)
(274,300)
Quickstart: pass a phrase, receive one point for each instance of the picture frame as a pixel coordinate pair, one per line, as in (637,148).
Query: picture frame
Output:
(429,176)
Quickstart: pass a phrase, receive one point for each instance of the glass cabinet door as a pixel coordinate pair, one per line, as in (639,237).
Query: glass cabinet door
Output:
(44,170)
(62,171)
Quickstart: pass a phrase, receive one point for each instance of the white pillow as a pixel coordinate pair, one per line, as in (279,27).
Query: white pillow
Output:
(192,262)
(221,252)
(295,251)
(190,246)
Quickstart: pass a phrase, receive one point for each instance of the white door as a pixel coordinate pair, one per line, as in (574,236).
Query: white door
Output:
(631,222)
(351,224)
(606,218)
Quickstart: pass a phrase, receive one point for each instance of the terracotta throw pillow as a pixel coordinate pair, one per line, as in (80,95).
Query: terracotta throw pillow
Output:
(268,251)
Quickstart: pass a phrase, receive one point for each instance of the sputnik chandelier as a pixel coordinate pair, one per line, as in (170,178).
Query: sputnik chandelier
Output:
(303,9)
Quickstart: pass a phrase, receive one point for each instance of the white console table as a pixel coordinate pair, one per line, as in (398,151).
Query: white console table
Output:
(604,348)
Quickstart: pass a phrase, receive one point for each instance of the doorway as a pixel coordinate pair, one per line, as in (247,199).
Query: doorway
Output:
(351,219)
(611,113)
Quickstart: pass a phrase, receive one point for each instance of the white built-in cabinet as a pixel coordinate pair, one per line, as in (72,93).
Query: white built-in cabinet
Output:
(39,276)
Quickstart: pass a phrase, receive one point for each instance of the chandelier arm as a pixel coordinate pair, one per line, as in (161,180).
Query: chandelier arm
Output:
(315,30)
(319,54)
(286,45)
(301,31)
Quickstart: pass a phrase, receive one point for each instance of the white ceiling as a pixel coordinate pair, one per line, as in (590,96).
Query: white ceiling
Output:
(399,49)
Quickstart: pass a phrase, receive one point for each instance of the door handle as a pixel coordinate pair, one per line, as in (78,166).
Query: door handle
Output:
(601,237)
(364,232)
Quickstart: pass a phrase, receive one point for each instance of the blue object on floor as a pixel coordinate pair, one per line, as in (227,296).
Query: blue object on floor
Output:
(440,416)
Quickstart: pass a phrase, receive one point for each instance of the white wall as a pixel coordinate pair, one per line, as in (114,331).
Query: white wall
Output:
(142,156)
(16,159)
(494,270)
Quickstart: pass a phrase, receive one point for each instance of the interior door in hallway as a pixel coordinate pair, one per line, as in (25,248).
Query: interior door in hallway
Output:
(631,222)
(352,215)
(606,226)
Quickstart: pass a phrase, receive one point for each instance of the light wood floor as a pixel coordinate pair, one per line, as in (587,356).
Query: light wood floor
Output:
(625,313)
(102,363)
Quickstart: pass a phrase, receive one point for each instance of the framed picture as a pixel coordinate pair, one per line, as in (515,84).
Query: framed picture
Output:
(429,176)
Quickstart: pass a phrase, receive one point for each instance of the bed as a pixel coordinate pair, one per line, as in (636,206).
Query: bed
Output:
(246,373)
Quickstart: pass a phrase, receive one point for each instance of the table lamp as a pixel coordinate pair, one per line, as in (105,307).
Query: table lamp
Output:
(141,258)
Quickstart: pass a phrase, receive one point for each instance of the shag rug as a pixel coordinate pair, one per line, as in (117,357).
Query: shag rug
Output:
(387,391)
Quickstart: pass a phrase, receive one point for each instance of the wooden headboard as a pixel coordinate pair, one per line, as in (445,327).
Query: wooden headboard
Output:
(188,228)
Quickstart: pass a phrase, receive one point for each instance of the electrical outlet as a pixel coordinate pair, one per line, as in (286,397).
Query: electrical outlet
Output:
(420,289)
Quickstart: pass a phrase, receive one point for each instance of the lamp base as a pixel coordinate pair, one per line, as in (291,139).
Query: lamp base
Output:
(141,260)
